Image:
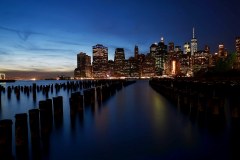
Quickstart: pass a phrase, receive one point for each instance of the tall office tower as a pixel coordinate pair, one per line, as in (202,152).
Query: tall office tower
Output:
(119,61)
(83,69)
(160,57)
(238,45)
(153,49)
(136,52)
(100,61)
(222,53)
(81,60)
(171,47)
(193,43)
(148,66)
(187,48)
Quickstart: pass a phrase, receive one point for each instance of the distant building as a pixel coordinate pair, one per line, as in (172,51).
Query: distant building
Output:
(141,59)
(153,49)
(111,69)
(222,52)
(186,48)
(148,66)
(84,68)
(194,44)
(201,61)
(2,76)
(160,58)
(136,52)
(172,62)
(207,49)
(237,43)
(119,62)
(100,61)
(171,47)
(132,67)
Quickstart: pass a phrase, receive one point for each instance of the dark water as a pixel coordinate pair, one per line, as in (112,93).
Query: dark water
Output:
(136,123)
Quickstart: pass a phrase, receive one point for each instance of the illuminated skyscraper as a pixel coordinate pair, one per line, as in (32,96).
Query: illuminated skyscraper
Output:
(100,61)
(193,44)
(187,48)
(153,49)
(119,61)
(222,53)
(160,58)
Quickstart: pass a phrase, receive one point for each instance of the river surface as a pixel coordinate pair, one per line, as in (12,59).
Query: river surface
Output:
(135,123)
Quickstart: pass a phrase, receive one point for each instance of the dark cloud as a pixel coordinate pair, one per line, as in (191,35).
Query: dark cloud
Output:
(51,50)
(68,43)
(23,35)
(4,53)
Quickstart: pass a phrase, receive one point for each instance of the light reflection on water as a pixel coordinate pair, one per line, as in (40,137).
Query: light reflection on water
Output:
(136,123)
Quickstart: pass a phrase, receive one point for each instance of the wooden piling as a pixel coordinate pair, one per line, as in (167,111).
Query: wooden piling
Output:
(6,139)
(21,136)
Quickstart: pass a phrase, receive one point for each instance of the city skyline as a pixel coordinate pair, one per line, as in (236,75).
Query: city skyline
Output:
(47,36)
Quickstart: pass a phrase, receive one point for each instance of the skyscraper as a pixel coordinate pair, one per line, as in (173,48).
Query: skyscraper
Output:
(119,61)
(83,60)
(153,49)
(187,48)
(84,68)
(193,44)
(136,52)
(100,61)
(222,53)
(170,47)
(160,57)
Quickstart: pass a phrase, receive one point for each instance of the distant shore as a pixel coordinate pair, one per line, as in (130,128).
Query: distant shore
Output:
(7,80)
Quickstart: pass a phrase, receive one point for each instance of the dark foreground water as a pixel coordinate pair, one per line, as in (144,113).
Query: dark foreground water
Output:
(136,123)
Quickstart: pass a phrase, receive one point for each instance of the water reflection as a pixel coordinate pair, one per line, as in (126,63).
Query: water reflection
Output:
(135,121)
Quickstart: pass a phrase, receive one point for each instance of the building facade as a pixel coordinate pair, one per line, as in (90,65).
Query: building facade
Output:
(194,44)
(160,58)
(237,44)
(84,68)
(100,61)
(119,62)
(187,48)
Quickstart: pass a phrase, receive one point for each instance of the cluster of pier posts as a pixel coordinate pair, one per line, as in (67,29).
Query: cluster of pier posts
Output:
(206,100)
(98,94)
(40,123)
(49,112)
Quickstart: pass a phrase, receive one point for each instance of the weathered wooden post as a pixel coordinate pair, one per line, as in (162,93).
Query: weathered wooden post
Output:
(6,139)
(34,92)
(35,133)
(21,136)
(58,111)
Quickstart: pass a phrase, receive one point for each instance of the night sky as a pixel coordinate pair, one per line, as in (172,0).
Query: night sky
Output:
(47,35)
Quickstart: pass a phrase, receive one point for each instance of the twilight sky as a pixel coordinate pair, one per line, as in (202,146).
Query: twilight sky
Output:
(46,35)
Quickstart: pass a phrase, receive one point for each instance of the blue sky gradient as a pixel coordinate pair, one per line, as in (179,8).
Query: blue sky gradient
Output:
(47,35)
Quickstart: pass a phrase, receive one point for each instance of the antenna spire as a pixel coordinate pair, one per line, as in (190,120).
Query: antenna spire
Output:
(193,33)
